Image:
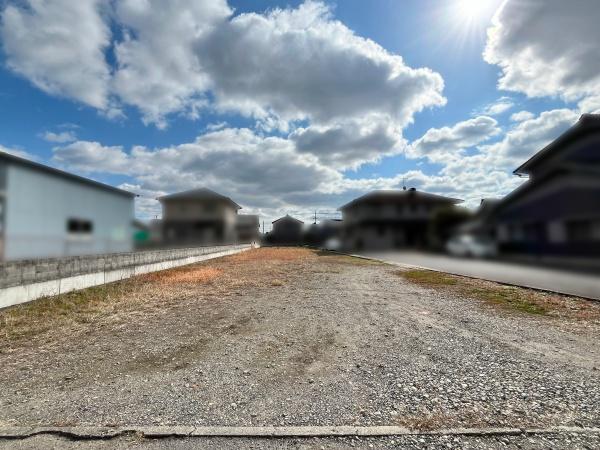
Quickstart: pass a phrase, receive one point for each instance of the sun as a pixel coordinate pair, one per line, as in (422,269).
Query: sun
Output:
(472,9)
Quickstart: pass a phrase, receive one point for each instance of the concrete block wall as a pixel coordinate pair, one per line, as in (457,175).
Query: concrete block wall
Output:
(26,280)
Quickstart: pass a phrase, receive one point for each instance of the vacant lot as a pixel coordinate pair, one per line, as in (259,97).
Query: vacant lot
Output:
(297,337)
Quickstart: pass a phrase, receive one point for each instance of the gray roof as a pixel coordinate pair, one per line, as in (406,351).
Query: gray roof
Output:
(397,195)
(12,159)
(199,194)
(586,125)
(287,218)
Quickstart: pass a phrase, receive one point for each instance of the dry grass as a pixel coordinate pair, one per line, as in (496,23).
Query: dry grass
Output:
(67,311)
(429,278)
(514,298)
(194,275)
(135,298)
(435,420)
(270,254)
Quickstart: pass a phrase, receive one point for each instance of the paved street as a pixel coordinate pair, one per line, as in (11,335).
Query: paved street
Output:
(294,337)
(562,281)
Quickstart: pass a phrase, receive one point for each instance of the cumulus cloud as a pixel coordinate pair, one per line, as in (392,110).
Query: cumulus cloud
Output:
(521,116)
(183,57)
(301,64)
(59,46)
(158,70)
(498,107)
(260,170)
(59,138)
(86,156)
(449,143)
(351,143)
(547,47)
(530,136)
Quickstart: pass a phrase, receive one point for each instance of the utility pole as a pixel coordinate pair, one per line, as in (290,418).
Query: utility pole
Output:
(263,227)
(315,222)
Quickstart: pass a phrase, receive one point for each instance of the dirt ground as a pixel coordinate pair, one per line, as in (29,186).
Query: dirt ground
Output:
(299,337)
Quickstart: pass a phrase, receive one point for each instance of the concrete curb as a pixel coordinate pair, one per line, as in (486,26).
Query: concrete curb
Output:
(156,432)
(526,286)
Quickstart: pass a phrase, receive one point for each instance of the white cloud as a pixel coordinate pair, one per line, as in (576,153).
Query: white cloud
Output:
(158,70)
(528,137)
(86,156)
(59,138)
(547,47)
(449,143)
(181,57)
(301,64)
(590,105)
(18,152)
(521,116)
(216,126)
(59,46)
(350,143)
(255,170)
(498,107)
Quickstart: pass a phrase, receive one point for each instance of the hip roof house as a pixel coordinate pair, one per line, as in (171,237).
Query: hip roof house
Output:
(388,219)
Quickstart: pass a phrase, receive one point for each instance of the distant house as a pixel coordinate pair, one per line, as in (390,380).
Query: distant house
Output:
(557,210)
(389,219)
(247,228)
(319,233)
(482,224)
(287,230)
(45,212)
(198,216)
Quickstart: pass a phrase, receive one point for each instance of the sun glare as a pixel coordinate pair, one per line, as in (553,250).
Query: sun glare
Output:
(472,9)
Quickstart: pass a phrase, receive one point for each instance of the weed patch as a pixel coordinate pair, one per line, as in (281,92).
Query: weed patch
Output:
(514,298)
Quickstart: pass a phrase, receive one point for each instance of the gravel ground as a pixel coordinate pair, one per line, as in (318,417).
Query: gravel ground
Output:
(305,339)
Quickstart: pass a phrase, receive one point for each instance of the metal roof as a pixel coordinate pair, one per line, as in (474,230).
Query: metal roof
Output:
(61,173)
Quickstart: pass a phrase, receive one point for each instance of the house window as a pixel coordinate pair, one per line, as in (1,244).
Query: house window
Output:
(79,226)
(210,208)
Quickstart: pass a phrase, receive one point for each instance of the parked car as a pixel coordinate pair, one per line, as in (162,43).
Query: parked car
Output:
(467,245)
(332,244)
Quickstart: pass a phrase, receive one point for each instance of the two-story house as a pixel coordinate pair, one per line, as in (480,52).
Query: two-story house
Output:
(287,230)
(388,219)
(557,210)
(198,217)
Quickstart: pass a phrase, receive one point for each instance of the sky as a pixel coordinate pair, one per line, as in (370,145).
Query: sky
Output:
(291,107)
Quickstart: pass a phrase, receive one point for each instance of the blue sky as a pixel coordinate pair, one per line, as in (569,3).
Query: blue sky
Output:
(462,140)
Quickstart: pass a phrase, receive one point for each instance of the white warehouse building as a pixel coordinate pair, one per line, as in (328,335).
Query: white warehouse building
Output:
(45,212)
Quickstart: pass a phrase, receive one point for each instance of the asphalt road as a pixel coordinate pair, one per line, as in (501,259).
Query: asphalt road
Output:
(555,280)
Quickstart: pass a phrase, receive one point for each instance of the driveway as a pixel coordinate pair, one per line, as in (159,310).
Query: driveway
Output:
(554,280)
(293,337)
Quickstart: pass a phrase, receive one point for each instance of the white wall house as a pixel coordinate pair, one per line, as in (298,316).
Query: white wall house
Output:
(45,212)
